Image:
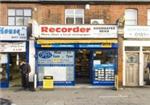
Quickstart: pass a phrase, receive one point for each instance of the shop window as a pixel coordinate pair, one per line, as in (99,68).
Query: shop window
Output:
(130,17)
(74,16)
(59,64)
(19,16)
(104,65)
(148,17)
(105,56)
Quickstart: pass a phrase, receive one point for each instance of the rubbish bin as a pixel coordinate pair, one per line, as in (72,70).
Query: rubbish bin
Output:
(48,82)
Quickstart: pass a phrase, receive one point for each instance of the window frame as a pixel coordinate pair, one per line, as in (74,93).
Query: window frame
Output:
(133,9)
(15,16)
(148,19)
(74,15)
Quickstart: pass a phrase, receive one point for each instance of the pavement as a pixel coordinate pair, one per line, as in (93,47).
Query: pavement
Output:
(78,96)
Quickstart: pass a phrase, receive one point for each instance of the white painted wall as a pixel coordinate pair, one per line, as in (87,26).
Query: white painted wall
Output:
(31,59)
(141,44)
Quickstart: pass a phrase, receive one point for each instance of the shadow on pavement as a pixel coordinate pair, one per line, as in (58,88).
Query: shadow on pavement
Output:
(5,102)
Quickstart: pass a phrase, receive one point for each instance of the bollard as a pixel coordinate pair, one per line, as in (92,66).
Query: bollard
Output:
(35,81)
(116,82)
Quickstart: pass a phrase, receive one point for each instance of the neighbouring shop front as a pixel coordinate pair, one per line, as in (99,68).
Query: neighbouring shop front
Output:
(12,48)
(73,55)
(136,56)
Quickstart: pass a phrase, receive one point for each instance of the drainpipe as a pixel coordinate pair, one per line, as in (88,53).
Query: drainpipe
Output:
(120,51)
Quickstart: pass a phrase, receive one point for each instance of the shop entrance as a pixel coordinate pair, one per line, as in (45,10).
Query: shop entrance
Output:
(82,66)
(14,74)
(9,69)
(75,64)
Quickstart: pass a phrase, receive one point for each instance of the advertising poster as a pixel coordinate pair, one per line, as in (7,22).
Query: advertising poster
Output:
(104,72)
(47,57)
(59,64)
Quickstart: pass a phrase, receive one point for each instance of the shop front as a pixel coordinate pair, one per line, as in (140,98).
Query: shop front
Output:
(136,56)
(73,55)
(12,48)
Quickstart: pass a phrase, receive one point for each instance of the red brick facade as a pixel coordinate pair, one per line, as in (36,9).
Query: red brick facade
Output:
(54,14)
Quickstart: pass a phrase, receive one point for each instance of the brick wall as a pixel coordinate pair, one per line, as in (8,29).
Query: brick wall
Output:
(54,14)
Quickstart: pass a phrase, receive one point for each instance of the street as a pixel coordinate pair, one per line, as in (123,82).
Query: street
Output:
(79,96)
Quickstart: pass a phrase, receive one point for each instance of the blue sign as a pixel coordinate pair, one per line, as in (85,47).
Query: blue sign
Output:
(100,45)
(45,54)
(89,46)
(63,45)
(104,74)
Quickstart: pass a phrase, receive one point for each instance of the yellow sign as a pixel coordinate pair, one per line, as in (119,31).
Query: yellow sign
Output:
(107,45)
(98,52)
(65,41)
(56,60)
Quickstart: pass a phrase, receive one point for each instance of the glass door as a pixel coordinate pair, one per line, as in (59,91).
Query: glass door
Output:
(82,66)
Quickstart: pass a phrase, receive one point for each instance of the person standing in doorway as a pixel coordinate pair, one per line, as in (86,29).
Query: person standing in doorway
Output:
(25,70)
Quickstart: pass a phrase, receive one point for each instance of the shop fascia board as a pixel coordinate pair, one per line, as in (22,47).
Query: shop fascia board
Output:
(75,0)
(72,41)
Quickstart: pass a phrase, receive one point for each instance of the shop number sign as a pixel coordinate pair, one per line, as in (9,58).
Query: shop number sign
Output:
(13,33)
(78,31)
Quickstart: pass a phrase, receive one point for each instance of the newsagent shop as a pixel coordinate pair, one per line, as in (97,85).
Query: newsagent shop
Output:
(76,54)
(13,42)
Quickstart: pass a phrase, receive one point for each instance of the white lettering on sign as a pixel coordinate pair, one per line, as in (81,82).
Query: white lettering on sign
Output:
(78,31)
(137,32)
(13,33)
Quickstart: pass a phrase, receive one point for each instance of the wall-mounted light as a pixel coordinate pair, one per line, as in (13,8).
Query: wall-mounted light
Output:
(35,9)
(87,6)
